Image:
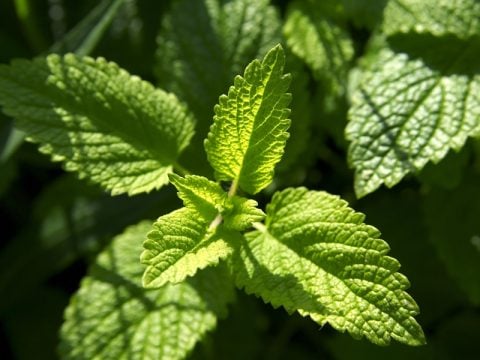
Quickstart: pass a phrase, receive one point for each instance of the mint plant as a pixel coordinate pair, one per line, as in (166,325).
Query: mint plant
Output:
(312,254)
(251,254)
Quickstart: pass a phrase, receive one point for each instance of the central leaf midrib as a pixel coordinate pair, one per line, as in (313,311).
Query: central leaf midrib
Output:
(264,83)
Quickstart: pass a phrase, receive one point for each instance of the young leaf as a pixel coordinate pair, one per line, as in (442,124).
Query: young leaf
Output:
(241,213)
(317,257)
(103,123)
(208,199)
(418,97)
(192,238)
(180,244)
(250,126)
(320,42)
(111,316)
(198,193)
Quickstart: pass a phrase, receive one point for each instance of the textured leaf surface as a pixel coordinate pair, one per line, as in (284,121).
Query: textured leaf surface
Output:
(203,44)
(316,256)
(317,38)
(103,123)
(240,213)
(416,101)
(436,17)
(198,193)
(208,199)
(112,317)
(179,245)
(452,219)
(250,126)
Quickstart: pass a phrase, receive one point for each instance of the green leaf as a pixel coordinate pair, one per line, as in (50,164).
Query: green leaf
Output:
(203,44)
(452,220)
(412,106)
(249,131)
(179,245)
(103,123)
(436,17)
(198,193)
(112,317)
(317,257)
(418,96)
(208,199)
(241,213)
(192,238)
(313,35)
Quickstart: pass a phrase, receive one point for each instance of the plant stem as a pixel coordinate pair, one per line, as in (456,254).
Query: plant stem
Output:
(233,188)
(218,219)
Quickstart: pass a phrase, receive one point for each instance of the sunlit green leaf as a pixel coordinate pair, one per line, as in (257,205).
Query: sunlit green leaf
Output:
(317,257)
(103,123)
(113,317)
(249,132)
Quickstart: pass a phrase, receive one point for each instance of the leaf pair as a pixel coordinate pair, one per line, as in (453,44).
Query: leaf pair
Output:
(192,238)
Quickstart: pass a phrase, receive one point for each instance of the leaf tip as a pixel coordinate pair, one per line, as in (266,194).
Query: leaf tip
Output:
(174,178)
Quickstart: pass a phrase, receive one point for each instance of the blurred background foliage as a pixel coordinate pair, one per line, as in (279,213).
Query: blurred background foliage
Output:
(53,224)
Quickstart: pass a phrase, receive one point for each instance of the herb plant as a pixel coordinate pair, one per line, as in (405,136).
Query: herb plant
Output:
(252,218)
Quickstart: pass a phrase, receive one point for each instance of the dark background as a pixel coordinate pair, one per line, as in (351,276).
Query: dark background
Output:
(52,224)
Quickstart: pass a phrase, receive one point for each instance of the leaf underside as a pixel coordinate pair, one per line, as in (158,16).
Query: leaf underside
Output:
(112,317)
(101,122)
(317,257)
